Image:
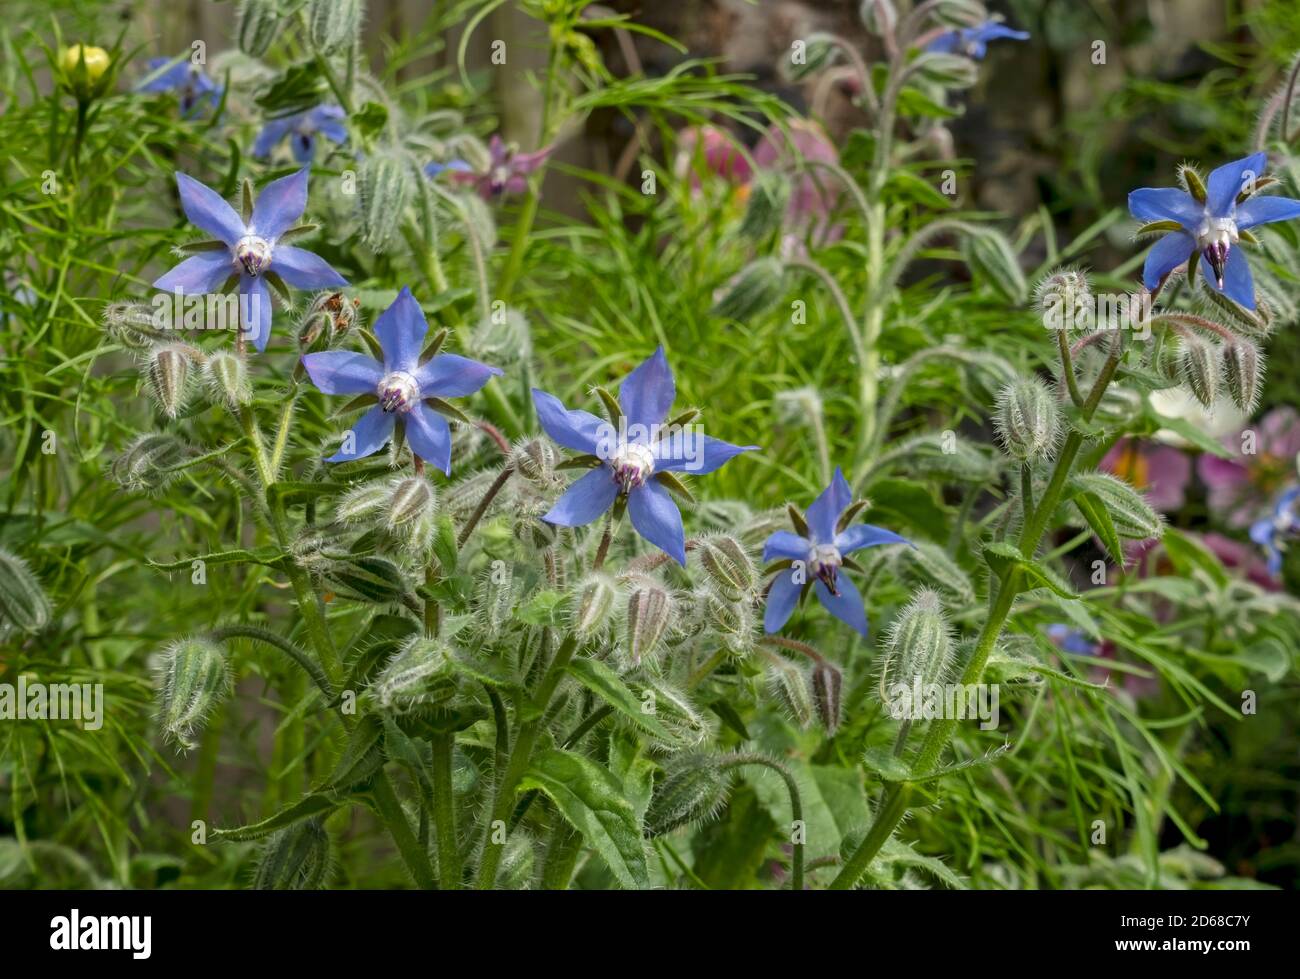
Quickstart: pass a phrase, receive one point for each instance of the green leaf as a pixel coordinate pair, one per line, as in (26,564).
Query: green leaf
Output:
(546,607)
(370,119)
(1094,511)
(1004,558)
(884,764)
(1189,555)
(609,687)
(592,801)
(309,805)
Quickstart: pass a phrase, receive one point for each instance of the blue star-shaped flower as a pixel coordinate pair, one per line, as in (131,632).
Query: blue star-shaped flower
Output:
(252,250)
(817,561)
(195,90)
(1211,225)
(302,128)
(631,457)
(973,41)
(1271,532)
(401,384)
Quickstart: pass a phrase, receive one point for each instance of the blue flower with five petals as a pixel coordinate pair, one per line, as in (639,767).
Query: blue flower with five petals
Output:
(1271,532)
(816,560)
(1209,222)
(630,458)
(402,385)
(302,128)
(248,250)
(973,41)
(195,90)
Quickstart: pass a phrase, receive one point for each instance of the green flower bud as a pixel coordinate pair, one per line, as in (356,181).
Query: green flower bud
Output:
(168,372)
(1064,298)
(145,464)
(649,611)
(961,13)
(880,17)
(1129,511)
(227,378)
(989,253)
(732,621)
(819,53)
(411,502)
(194,681)
(330,315)
(693,790)
(755,289)
(919,643)
(363,503)
(946,70)
(367,578)
(789,684)
(593,604)
(1243,371)
(296,858)
(420,674)
(23,603)
(496,597)
(1200,367)
(385,189)
(827,679)
(257,26)
(534,459)
(334,23)
(769,196)
(1027,420)
(132,324)
(728,565)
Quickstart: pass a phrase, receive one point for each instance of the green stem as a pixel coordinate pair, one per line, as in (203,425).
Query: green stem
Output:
(444,812)
(390,810)
(796,808)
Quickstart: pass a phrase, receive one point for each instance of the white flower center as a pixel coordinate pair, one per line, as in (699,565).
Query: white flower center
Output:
(398,391)
(824,562)
(253,253)
(633,464)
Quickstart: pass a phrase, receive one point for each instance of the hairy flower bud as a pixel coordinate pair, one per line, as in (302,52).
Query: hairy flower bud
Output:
(534,459)
(365,502)
(790,686)
(756,288)
(732,621)
(880,17)
(23,603)
(1243,371)
(193,682)
(149,462)
(1027,420)
(226,376)
(384,185)
(728,565)
(990,255)
(296,858)
(1200,367)
(420,674)
(132,324)
(920,642)
(330,315)
(1064,298)
(168,372)
(769,196)
(649,611)
(818,53)
(257,26)
(693,791)
(495,597)
(946,70)
(412,500)
(827,679)
(961,13)
(334,23)
(593,604)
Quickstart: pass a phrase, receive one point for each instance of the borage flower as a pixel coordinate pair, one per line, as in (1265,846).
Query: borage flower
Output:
(302,128)
(507,171)
(1208,220)
(634,457)
(408,391)
(813,558)
(195,90)
(249,249)
(1272,532)
(973,41)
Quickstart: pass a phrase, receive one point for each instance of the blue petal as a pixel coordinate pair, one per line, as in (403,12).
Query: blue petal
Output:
(303,145)
(825,511)
(198,274)
(945,43)
(1231,179)
(255,309)
(781,600)
(453,376)
(785,544)
(343,371)
(576,430)
(173,78)
(1165,204)
(334,131)
(694,453)
(846,606)
(270,136)
(585,499)
(1263,210)
(429,437)
(303,269)
(1166,255)
(993,31)
(1238,284)
(862,535)
(656,518)
(280,205)
(401,330)
(208,210)
(648,392)
(370,434)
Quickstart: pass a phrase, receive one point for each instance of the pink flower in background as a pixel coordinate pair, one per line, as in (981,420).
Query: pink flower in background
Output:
(1241,558)
(816,192)
(710,149)
(507,171)
(1162,472)
(1242,487)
